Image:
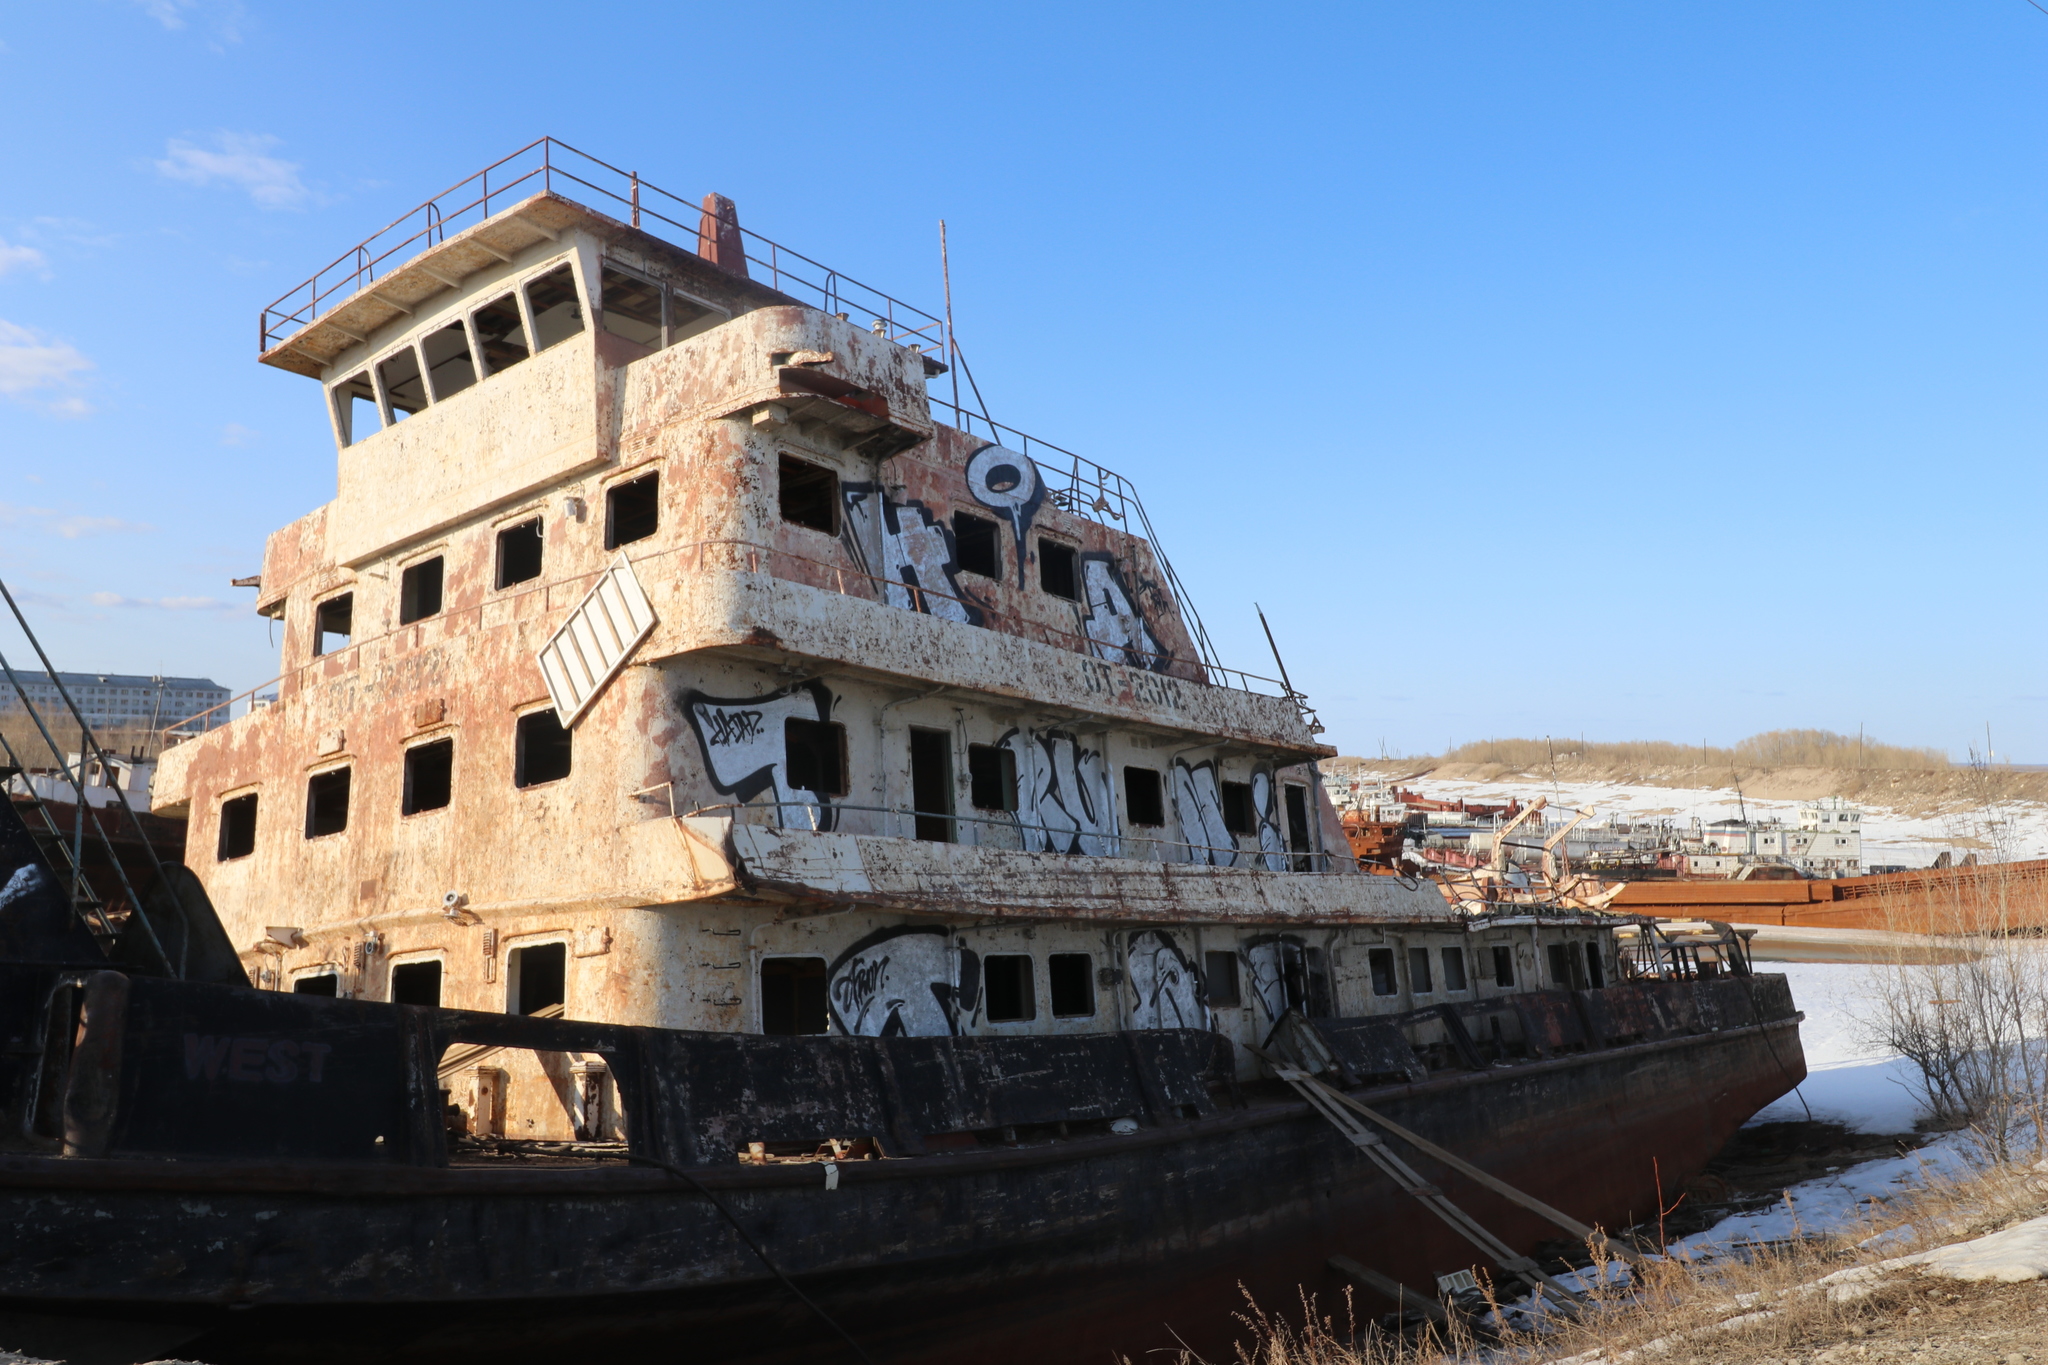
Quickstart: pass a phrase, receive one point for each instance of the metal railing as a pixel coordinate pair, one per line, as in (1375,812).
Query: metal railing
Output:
(543,167)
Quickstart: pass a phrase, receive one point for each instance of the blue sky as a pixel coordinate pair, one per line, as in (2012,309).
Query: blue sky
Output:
(1605,369)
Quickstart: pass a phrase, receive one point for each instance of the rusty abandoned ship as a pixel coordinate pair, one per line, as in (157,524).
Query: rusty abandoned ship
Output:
(737,832)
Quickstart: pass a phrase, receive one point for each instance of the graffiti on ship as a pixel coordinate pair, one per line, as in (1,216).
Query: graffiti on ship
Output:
(909,981)
(746,750)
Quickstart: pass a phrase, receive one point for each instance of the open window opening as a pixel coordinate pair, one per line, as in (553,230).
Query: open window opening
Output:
(416,983)
(320,983)
(334,623)
(237,828)
(1297,828)
(808,494)
(419,591)
(977,548)
(1144,796)
(519,553)
(1237,807)
(1059,569)
(327,802)
(931,784)
(1380,962)
(1503,966)
(355,408)
(501,334)
(687,317)
(1596,977)
(632,511)
(1453,960)
(405,389)
(814,756)
(542,750)
(1419,977)
(557,310)
(992,776)
(1070,985)
(631,308)
(1219,977)
(1567,968)
(1007,988)
(450,367)
(538,977)
(793,996)
(429,776)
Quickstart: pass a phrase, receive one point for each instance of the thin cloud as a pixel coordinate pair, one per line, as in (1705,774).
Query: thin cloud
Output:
(169,13)
(235,434)
(14,258)
(71,527)
(32,366)
(240,159)
(114,599)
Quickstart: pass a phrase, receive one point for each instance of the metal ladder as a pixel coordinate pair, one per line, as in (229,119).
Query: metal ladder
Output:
(62,850)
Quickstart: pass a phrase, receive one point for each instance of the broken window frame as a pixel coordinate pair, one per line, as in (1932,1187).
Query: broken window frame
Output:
(1421,976)
(612,539)
(499,542)
(1220,984)
(607,270)
(391,414)
(811,469)
(321,630)
(933,822)
(818,736)
(1144,796)
(1503,966)
(1027,1000)
(518,296)
(318,786)
(1456,978)
(1085,980)
(522,730)
(673,330)
(580,296)
(244,842)
(1004,777)
(409,802)
(1051,551)
(987,531)
(410,579)
(1240,816)
(341,406)
(458,323)
(1383,967)
(823,1015)
(516,959)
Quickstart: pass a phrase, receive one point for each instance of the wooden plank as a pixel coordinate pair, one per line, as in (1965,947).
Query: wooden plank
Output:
(1387,1287)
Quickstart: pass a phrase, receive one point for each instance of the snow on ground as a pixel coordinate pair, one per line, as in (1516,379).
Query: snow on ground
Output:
(1890,838)
(1848,1081)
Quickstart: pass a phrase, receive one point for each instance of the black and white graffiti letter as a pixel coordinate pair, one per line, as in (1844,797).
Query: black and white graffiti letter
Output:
(745,751)
(1009,483)
(904,982)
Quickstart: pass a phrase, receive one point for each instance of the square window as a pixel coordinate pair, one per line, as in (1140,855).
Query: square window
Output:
(334,623)
(500,334)
(687,317)
(355,408)
(557,309)
(416,983)
(419,591)
(992,776)
(809,495)
(1219,975)
(793,996)
(1006,986)
(450,368)
(1144,796)
(814,756)
(1418,972)
(1070,981)
(1454,968)
(543,750)
(405,390)
(1560,964)
(323,983)
(327,802)
(1381,963)
(538,977)
(632,511)
(1504,966)
(519,553)
(1237,807)
(632,308)
(1059,569)
(429,776)
(237,827)
(976,548)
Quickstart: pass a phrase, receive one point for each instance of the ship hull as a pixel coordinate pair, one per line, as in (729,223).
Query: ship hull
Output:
(1085,1249)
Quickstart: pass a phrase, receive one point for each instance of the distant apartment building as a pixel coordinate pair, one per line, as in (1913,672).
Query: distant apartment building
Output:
(111,701)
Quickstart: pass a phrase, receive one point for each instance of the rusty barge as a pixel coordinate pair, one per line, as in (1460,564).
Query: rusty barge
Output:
(745,851)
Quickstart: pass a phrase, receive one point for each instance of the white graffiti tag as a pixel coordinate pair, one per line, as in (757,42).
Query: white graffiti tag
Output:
(1116,631)
(1166,992)
(916,555)
(1196,805)
(1265,809)
(902,982)
(744,748)
(1064,803)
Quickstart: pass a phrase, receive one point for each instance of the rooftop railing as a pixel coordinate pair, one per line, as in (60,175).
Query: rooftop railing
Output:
(549,166)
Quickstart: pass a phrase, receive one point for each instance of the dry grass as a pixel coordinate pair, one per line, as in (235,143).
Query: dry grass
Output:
(27,742)
(1774,749)
(1763,1306)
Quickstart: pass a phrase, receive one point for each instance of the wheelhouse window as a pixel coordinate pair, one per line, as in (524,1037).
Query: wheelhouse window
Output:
(631,307)
(450,367)
(808,494)
(237,828)
(977,549)
(519,553)
(543,750)
(327,803)
(355,408)
(557,309)
(632,511)
(1059,569)
(334,623)
(793,996)
(501,334)
(405,388)
(419,591)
